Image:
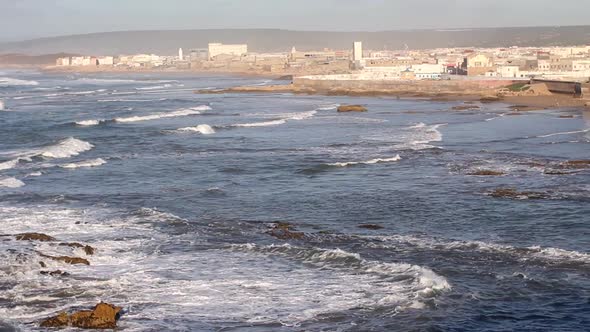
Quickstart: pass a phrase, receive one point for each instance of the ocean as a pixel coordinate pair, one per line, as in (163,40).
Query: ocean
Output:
(273,212)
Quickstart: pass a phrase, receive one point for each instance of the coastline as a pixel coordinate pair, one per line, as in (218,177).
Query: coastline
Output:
(519,103)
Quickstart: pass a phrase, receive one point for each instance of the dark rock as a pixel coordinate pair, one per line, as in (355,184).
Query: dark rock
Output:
(42,264)
(56,273)
(371,227)
(103,316)
(34,237)
(490,99)
(485,172)
(556,172)
(566,116)
(87,249)
(351,108)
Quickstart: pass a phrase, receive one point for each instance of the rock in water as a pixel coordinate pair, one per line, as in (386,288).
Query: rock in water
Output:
(66,259)
(60,320)
(87,249)
(351,108)
(103,316)
(34,237)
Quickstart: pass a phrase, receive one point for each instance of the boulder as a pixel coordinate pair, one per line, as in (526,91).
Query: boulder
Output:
(34,237)
(87,249)
(576,164)
(103,316)
(351,108)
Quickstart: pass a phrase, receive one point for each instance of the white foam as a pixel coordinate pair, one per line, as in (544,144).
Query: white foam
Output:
(8,81)
(565,133)
(203,129)
(1,105)
(88,123)
(330,107)
(8,164)
(156,87)
(11,183)
(261,124)
(130,100)
(158,116)
(88,163)
(368,162)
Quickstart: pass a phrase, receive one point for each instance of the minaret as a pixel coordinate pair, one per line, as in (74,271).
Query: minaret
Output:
(180,54)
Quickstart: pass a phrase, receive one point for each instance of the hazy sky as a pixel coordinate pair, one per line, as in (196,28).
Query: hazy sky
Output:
(21,19)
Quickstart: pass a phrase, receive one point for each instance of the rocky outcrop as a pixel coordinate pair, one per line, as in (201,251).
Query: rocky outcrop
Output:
(351,108)
(103,316)
(576,164)
(285,231)
(34,237)
(67,259)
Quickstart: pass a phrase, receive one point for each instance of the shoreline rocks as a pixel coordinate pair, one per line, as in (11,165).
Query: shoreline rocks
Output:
(485,172)
(373,227)
(103,316)
(515,194)
(34,237)
(67,259)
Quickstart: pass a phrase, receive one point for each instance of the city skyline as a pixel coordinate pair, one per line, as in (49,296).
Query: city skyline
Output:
(28,19)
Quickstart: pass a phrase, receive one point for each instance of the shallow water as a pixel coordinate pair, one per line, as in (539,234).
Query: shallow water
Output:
(178,192)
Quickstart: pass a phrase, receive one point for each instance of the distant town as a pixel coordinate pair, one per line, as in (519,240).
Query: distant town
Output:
(561,63)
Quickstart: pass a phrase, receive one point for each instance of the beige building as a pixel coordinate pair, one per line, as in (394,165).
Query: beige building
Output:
(216,49)
(479,64)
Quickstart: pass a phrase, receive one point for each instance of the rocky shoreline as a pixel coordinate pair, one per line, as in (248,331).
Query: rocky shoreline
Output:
(521,102)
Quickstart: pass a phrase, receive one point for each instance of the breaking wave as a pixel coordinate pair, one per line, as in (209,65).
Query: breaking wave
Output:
(88,123)
(203,129)
(83,164)
(283,120)
(66,148)
(11,183)
(157,116)
(368,162)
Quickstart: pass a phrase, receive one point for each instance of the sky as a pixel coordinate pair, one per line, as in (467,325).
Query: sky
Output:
(26,19)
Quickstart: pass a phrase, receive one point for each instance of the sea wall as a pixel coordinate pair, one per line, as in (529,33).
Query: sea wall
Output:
(340,82)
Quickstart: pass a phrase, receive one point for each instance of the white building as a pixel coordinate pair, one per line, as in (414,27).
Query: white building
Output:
(77,61)
(105,60)
(428,68)
(180,54)
(216,49)
(60,62)
(511,71)
(357,51)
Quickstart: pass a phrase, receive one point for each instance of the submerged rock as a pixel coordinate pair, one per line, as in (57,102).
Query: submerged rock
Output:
(465,107)
(490,99)
(576,164)
(34,237)
(103,316)
(351,108)
(285,231)
(515,194)
(486,172)
(87,249)
(373,227)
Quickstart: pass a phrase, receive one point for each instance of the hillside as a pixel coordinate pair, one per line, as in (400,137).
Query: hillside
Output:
(168,41)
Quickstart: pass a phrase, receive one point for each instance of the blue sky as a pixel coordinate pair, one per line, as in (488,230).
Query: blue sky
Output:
(22,19)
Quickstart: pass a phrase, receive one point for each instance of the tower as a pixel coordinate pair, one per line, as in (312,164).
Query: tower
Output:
(180,54)
(357,51)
